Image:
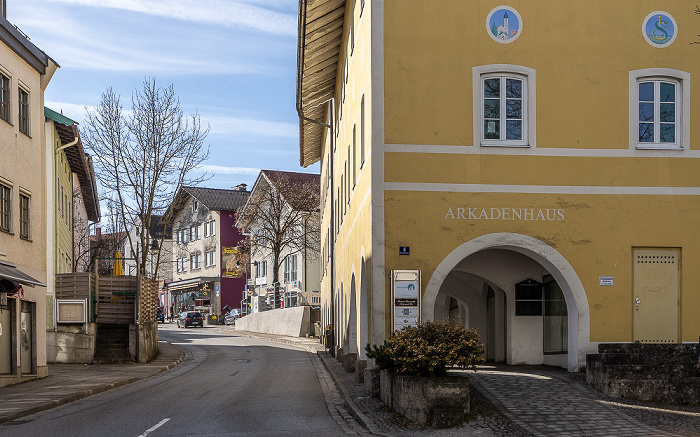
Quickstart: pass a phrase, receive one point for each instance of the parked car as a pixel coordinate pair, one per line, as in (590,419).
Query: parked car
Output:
(230,318)
(190,318)
(160,316)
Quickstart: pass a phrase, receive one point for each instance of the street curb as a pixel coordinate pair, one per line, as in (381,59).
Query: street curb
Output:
(366,422)
(87,393)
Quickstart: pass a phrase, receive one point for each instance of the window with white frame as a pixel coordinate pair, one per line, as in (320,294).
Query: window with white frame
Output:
(195,261)
(210,259)
(195,206)
(504,105)
(503,109)
(261,269)
(209,229)
(179,264)
(183,264)
(659,109)
(290,268)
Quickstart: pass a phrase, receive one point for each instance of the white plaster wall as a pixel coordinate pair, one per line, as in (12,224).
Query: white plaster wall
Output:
(292,322)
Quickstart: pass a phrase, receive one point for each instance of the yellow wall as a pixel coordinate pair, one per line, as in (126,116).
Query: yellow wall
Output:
(582,52)
(354,237)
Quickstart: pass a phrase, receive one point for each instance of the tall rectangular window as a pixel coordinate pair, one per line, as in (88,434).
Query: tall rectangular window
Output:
(503,109)
(24,216)
(23,111)
(290,268)
(5,208)
(658,112)
(362,131)
(354,155)
(4,97)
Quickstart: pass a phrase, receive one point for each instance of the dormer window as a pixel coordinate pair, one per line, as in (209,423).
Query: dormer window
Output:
(194,206)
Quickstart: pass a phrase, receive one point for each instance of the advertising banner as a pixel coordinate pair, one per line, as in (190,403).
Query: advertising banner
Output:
(233,262)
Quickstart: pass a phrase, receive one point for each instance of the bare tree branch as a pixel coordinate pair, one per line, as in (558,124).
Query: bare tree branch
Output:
(144,157)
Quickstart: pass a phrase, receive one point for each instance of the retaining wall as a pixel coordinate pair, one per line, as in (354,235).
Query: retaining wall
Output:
(292,322)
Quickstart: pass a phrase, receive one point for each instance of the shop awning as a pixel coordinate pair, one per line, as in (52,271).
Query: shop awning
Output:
(11,272)
(190,283)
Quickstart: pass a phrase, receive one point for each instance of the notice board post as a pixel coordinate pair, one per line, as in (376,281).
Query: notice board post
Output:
(405,298)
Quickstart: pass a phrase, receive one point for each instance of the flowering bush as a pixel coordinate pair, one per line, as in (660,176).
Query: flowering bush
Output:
(428,349)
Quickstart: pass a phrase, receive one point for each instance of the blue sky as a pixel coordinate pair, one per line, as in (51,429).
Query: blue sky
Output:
(233,61)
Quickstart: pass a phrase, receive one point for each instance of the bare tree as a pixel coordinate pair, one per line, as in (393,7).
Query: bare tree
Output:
(282,215)
(144,156)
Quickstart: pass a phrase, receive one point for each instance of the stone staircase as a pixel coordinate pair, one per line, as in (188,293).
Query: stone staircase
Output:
(668,373)
(112,344)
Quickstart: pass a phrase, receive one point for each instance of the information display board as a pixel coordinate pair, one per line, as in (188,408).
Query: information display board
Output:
(405,298)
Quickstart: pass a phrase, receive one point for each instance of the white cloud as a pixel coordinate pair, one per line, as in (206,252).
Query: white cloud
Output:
(244,126)
(219,169)
(218,12)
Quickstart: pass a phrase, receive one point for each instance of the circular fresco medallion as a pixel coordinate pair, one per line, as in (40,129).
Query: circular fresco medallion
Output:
(659,29)
(504,24)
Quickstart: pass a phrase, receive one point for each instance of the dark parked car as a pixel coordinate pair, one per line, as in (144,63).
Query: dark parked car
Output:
(230,318)
(189,318)
(160,317)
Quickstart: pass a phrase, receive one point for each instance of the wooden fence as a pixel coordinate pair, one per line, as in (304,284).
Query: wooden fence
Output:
(111,299)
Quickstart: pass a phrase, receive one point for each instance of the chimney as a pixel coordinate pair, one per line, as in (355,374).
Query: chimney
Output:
(98,230)
(239,187)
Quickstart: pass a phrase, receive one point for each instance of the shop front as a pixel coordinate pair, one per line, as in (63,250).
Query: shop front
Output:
(18,324)
(198,294)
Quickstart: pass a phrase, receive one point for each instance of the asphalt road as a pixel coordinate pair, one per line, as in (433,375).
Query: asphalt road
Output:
(226,385)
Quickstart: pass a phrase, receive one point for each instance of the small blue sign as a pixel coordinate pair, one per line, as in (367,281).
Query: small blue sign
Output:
(404,250)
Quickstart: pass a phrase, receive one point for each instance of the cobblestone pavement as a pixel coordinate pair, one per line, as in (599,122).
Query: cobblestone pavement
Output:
(545,401)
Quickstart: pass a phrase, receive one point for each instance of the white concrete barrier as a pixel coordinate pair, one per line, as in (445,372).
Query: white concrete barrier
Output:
(292,322)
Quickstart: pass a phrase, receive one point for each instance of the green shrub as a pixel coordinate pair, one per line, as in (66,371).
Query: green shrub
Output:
(428,349)
(380,356)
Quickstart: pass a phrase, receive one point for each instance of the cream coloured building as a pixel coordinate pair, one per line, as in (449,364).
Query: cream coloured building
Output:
(25,72)
(539,185)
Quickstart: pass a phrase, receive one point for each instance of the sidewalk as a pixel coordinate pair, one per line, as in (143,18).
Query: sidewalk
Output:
(71,382)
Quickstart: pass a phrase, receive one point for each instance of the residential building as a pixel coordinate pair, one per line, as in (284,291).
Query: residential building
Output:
(71,205)
(160,254)
(531,169)
(205,274)
(25,72)
(281,215)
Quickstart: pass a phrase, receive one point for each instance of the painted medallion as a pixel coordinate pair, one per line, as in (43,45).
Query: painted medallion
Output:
(659,29)
(504,24)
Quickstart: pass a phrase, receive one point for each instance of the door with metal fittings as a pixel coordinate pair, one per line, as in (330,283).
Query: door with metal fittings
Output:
(656,296)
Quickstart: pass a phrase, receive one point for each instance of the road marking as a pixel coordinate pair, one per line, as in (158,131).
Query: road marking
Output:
(150,430)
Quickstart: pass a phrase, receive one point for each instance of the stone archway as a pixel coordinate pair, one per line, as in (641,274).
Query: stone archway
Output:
(352,318)
(544,255)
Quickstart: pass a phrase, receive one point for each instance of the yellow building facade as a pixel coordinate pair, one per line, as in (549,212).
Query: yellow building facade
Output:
(535,162)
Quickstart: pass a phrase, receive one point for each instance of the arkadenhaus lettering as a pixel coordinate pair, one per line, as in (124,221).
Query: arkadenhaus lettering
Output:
(548,214)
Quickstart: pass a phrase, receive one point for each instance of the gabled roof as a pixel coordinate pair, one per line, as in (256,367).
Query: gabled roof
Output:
(215,199)
(79,162)
(320,36)
(300,190)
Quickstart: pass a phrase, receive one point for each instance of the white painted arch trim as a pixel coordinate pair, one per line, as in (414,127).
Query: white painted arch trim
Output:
(550,259)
